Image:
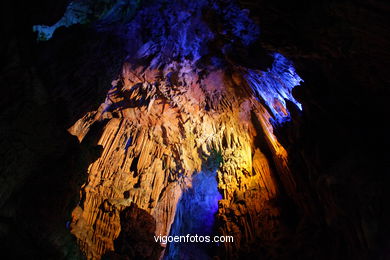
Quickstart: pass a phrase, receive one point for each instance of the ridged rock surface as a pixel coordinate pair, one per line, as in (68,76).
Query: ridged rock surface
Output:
(331,204)
(155,134)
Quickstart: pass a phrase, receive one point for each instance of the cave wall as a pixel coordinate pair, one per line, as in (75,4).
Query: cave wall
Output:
(42,165)
(337,160)
(311,188)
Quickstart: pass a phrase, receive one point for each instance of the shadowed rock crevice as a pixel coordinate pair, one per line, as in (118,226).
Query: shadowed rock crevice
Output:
(136,239)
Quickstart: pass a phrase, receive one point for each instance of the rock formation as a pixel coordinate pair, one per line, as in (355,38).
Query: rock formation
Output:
(156,134)
(140,118)
(166,114)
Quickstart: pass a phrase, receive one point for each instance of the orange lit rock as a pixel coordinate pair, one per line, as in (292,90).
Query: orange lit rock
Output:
(155,133)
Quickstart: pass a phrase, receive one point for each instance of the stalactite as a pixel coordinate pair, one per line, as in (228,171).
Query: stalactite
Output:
(183,96)
(155,168)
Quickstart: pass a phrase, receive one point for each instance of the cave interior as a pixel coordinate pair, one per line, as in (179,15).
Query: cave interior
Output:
(262,120)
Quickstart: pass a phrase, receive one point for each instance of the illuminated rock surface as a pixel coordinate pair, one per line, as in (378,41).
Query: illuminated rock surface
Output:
(153,143)
(168,112)
(110,127)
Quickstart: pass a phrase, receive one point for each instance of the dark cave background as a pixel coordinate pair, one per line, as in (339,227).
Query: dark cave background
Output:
(338,144)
